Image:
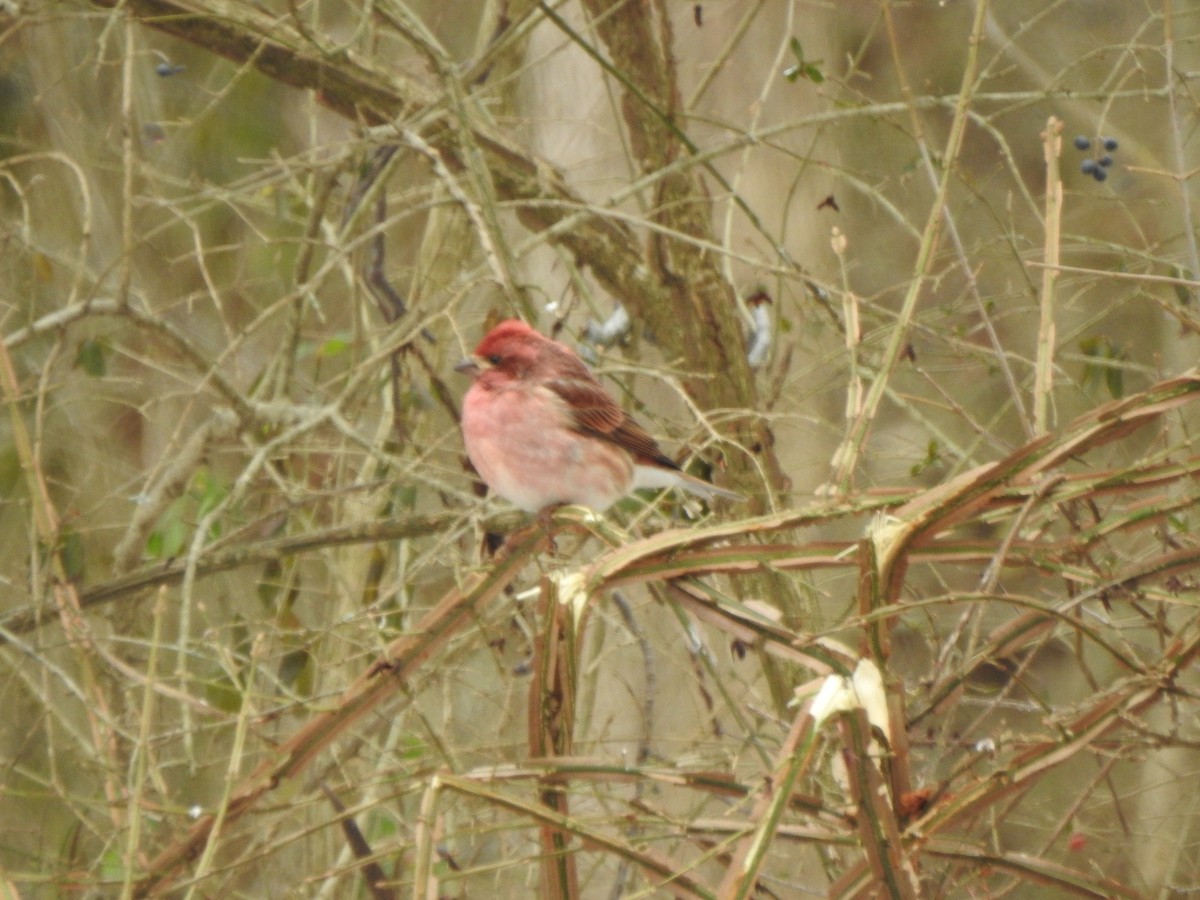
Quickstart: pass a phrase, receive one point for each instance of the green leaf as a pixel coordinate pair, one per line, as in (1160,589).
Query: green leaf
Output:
(1105,370)
(174,538)
(803,68)
(1182,293)
(208,490)
(90,356)
(335,346)
(406,496)
(296,670)
(1114,379)
(112,863)
(383,827)
(933,455)
(412,748)
(168,539)
(223,694)
(71,553)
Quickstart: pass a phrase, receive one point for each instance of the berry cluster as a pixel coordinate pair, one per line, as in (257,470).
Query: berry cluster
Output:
(1096,166)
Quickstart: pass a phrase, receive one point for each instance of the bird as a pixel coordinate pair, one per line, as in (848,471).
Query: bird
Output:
(541,431)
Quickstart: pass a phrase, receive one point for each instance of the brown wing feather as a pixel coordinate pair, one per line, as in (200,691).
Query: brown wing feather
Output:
(596,413)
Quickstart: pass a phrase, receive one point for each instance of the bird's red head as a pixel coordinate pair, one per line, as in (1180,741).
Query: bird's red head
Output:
(512,346)
(506,337)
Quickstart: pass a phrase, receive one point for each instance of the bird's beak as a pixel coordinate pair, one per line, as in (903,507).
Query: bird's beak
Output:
(469,366)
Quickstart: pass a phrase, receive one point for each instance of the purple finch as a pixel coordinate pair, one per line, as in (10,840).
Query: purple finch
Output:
(541,430)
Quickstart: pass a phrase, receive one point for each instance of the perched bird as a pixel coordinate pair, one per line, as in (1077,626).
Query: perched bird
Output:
(541,430)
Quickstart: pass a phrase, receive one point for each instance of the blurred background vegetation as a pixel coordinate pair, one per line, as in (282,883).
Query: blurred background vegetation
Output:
(874,259)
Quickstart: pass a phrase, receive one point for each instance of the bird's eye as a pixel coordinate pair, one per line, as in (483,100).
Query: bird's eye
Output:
(494,359)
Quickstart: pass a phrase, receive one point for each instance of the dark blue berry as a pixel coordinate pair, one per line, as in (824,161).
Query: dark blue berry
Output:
(1110,144)
(1099,174)
(166,70)
(1082,143)
(1088,166)
(1105,160)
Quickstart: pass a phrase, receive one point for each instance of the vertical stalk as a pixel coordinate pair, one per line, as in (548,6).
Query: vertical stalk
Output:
(847,455)
(552,725)
(1044,376)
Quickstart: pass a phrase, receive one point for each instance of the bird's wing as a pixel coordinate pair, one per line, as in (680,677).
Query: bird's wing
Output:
(594,412)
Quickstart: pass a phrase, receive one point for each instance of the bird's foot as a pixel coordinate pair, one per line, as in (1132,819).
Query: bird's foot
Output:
(545,520)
